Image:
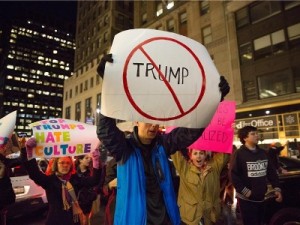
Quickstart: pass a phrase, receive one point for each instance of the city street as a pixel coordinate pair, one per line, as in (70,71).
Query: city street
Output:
(97,219)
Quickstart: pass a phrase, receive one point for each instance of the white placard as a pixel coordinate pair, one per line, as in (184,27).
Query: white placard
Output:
(7,126)
(63,137)
(160,77)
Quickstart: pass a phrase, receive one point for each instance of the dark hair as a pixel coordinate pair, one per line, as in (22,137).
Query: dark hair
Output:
(77,158)
(243,133)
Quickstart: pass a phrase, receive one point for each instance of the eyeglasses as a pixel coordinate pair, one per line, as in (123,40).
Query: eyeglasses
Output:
(64,163)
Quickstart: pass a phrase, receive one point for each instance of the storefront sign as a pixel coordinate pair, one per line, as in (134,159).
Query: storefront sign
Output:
(267,121)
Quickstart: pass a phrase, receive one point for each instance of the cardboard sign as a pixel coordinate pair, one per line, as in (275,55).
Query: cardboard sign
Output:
(7,126)
(160,77)
(218,136)
(63,137)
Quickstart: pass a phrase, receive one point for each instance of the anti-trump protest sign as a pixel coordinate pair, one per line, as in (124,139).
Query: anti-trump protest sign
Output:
(160,77)
(7,126)
(218,135)
(63,137)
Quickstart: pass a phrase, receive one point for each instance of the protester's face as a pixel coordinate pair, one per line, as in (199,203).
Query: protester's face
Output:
(252,138)
(64,165)
(147,132)
(86,160)
(198,158)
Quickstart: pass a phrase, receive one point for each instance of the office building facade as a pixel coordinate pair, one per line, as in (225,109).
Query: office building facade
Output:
(254,44)
(36,56)
(97,23)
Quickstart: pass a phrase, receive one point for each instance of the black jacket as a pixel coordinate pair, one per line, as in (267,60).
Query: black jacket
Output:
(53,186)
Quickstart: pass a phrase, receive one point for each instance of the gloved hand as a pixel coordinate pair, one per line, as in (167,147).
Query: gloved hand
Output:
(30,145)
(96,158)
(101,66)
(224,87)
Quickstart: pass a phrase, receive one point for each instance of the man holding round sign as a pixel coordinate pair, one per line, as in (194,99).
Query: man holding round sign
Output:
(145,189)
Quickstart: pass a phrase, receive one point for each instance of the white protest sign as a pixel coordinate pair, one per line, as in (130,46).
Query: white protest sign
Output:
(7,126)
(160,77)
(63,137)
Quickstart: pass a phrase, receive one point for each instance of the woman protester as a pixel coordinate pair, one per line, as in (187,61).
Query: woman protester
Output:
(86,195)
(199,189)
(61,184)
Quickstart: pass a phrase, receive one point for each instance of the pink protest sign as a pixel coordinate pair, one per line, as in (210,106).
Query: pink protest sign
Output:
(218,135)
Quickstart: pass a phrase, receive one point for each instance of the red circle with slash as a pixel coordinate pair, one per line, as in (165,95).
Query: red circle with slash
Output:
(182,111)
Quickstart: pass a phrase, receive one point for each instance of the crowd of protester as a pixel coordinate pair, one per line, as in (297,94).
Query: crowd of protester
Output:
(138,183)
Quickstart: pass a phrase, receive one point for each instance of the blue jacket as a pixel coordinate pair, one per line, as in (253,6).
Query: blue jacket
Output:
(131,182)
(132,189)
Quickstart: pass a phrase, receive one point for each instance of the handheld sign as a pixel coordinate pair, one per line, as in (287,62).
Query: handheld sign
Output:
(63,137)
(160,77)
(7,126)
(218,135)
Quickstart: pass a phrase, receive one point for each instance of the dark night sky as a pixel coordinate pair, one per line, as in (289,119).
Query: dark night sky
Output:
(65,10)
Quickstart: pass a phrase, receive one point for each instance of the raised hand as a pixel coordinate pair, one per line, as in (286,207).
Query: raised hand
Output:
(224,87)
(101,66)
(96,158)
(30,145)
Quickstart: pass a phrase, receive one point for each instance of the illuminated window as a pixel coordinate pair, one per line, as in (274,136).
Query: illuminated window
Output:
(159,8)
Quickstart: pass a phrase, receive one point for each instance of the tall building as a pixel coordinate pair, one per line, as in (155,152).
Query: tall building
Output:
(254,44)
(36,56)
(97,24)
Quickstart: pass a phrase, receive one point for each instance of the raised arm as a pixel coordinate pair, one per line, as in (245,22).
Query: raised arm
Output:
(111,137)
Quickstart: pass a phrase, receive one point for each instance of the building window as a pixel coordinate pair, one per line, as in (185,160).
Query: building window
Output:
(273,43)
(144,18)
(250,92)
(294,35)
(159,8)
(86,83)
(97,79)
(242,17)
(66,95)
(68,113)
(70,93)
(88,111)
(246,53)
(183,24)
(204,7)
(98,101)
(206,35)
(81,87)
(169,4)
(76,90)
(264,10)
(78,111)
(105,37)
(92,82)
(170,25)
(276,84)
